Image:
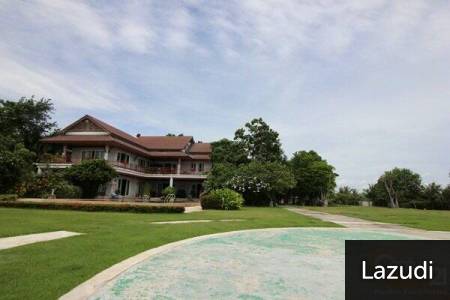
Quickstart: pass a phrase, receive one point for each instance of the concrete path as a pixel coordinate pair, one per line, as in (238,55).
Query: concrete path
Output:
(356,223)
(15,241)
(198,221)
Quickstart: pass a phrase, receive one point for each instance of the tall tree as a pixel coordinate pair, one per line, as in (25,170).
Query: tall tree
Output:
(226,151)
(315,177)
(16,165)
(397,188)
(26,120)
(260,142)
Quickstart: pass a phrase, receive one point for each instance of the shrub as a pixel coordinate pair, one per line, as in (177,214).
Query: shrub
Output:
(222,199)
(8,197)
(89,175)
(119,207)
(42,186)
(170,190)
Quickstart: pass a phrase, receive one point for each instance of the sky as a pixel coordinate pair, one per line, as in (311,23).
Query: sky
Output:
(366,84)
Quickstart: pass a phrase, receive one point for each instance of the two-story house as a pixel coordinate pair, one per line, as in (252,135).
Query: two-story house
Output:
(145,164)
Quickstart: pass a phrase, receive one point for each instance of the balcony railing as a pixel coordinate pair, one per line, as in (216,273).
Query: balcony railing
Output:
(59,159)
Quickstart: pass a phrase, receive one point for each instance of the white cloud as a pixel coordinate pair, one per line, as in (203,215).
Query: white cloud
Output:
(362,82)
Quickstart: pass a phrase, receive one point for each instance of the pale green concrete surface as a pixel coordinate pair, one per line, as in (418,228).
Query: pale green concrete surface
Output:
(294,263)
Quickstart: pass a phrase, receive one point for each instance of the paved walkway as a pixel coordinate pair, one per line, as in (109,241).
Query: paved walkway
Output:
(15,241)
(356,223)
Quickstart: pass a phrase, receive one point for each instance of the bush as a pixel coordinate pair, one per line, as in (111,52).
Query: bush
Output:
(222,199)
(170,190)
(119,207)
(42,186)
(8,197)
(89,175)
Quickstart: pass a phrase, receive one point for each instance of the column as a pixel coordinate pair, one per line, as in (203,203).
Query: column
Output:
(179,166)
(106,152)
(64,150)
(171,181)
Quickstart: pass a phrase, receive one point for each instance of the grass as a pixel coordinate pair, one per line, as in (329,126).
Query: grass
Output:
(422,219)
(48,270)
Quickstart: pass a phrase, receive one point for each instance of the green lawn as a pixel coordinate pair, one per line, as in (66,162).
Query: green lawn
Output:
(47,270)
(416,218)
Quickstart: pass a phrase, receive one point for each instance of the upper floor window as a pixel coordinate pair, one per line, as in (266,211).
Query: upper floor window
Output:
(92,154)
(123,158)
(193,167)
(201,167)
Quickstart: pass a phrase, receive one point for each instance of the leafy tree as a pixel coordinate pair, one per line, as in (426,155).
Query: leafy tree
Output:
(397,188)
(219,175)
(347,196)
(26,120)
(315,178)
(89,175)
(16,165)
(259,141)
(262,182)
(226,151)
(446,197)
(432,196)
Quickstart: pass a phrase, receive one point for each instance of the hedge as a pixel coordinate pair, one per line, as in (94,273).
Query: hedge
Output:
(8,197)
(221,199)
(93,207)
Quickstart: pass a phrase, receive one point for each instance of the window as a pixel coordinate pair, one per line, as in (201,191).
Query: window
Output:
(123,158)
(193,167)
(92,154)
(201,167)
(123,187)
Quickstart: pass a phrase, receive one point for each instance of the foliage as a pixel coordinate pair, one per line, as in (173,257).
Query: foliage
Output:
(169,190)
(8,197)
(259,141)
(228,152)
(16,165)
(222,199)
(396,188)
(261,182)
(315,178)
(347,196)
(41,186)
(26,120)
(89,175)
(76,205)
(219,175)
(433,197)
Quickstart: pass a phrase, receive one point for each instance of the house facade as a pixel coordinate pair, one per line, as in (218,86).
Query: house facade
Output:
(145,164)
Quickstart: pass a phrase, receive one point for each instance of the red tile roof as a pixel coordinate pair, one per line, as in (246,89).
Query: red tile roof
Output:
(154,146)
(201,148)
(165,142)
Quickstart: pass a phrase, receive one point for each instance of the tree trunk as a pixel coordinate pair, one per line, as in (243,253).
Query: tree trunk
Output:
(391,193)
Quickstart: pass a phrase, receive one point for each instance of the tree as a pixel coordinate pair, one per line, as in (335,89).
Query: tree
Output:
(446,197)
(89,175)
(226,151)
(262,182)
(219,175)
(315,178)
(347,196)
(26,121)
(432,197)
(397,188)
(259,141)
(16,165)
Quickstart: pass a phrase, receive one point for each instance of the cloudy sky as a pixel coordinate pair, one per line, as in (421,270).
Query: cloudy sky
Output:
(364,83)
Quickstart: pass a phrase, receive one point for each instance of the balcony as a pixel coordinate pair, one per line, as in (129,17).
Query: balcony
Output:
(155,170)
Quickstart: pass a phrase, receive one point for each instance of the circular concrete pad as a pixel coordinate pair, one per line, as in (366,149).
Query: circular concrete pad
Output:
(293,263)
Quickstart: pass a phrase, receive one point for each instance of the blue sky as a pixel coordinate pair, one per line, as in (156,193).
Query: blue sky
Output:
(364,83)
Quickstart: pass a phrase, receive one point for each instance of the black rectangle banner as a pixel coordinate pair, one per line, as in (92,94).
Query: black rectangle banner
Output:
(397,270)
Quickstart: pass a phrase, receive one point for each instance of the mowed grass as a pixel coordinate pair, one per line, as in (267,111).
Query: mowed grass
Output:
(416,218)
(48,270)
